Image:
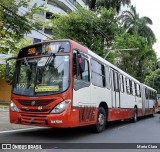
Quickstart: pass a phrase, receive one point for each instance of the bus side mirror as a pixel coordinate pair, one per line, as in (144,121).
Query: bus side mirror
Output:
(7,68)
(7,64)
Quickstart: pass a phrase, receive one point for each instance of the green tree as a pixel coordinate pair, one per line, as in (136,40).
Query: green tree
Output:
(153,80)
(22,43)
(14,23)
(138,63)
(115,4)
(87,27)
(14,26)
(134,24)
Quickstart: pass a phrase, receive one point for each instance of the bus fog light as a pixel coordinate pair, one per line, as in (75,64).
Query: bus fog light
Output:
(13,107)
(61,107)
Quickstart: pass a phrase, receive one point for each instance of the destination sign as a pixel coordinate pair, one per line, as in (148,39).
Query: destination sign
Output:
(45,48)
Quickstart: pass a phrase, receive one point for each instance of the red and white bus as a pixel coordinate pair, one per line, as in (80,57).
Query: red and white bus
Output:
(63,84)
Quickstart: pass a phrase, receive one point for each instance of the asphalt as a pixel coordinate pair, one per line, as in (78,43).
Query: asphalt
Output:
(146,130)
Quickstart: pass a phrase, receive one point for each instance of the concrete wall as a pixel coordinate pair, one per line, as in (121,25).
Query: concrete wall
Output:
(5,91)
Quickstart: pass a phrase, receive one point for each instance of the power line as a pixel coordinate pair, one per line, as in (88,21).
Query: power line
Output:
(99,29)
(24,19)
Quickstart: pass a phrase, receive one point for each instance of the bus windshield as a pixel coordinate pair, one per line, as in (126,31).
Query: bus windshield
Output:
(41,76)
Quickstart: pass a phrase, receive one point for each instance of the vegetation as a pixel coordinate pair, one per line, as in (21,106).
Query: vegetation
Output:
(153,80)
(134,24)
(13,26)
(115,4)
(98,28)
(91,28)
(87,27)
(137,63)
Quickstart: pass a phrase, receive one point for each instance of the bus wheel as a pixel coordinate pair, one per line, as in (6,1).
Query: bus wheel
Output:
(135,115)
(101,121)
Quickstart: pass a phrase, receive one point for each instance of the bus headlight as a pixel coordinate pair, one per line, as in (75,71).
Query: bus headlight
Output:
(13,107)
(61,107)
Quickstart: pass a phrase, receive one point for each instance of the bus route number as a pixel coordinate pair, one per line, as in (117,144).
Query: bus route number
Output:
(31,51)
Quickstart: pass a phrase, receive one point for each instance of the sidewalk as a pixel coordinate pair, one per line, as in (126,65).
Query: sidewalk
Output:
(4,109)
(6,125)
(4,106)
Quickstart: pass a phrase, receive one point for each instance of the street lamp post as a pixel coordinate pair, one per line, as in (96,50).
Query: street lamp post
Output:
(129,49)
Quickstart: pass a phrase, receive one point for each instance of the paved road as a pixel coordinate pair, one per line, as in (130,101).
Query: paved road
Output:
(146,130)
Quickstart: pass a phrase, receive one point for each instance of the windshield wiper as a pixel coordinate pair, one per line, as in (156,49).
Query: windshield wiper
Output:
(26,63)
(40,74)
(50,58)
(60,49)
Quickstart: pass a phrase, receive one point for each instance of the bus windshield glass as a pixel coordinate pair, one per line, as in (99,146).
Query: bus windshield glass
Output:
(41,76)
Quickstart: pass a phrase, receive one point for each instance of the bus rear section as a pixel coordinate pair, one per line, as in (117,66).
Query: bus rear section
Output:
(149,100)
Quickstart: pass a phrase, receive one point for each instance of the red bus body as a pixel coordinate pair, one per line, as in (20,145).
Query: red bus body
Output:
(39,114)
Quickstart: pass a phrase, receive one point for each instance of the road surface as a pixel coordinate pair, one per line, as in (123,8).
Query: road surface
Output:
(146,130)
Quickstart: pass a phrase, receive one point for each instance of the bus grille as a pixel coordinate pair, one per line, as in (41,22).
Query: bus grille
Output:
(32,119)
(35,110)
(35,102)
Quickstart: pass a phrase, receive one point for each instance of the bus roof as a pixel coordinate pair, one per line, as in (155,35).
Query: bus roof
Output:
(149,87)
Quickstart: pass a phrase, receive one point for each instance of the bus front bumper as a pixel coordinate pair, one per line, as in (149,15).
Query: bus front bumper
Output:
(63,120)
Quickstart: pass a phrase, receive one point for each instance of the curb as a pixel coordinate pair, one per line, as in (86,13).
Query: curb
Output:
(4,109)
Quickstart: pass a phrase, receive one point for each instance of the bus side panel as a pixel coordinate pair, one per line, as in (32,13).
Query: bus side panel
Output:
(139,106)
(120,114)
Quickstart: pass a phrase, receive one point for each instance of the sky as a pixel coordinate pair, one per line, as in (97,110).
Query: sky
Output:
(151,9)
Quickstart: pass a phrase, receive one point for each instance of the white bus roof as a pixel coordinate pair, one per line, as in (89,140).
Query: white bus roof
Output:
(148,87)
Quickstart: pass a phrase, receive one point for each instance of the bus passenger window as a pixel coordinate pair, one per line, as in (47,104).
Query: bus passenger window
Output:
(98,74)
(135,87)
(85,73)
(128,86)
(138,88)
(121,83)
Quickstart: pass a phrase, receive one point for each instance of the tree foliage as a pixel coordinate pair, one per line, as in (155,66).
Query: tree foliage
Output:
(115,4)
(22,43)
(134,24)
(87,27)
(153,80)
(137,63)
(14,23)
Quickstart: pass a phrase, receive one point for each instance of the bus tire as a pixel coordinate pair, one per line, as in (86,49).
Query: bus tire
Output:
(135,116)
(101,121)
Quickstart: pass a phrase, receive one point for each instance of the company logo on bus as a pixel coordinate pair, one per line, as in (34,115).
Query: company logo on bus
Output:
(40,108)
(33,103)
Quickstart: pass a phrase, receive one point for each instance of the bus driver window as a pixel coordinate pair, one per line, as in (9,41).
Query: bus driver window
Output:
(80,71)
(77,70)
